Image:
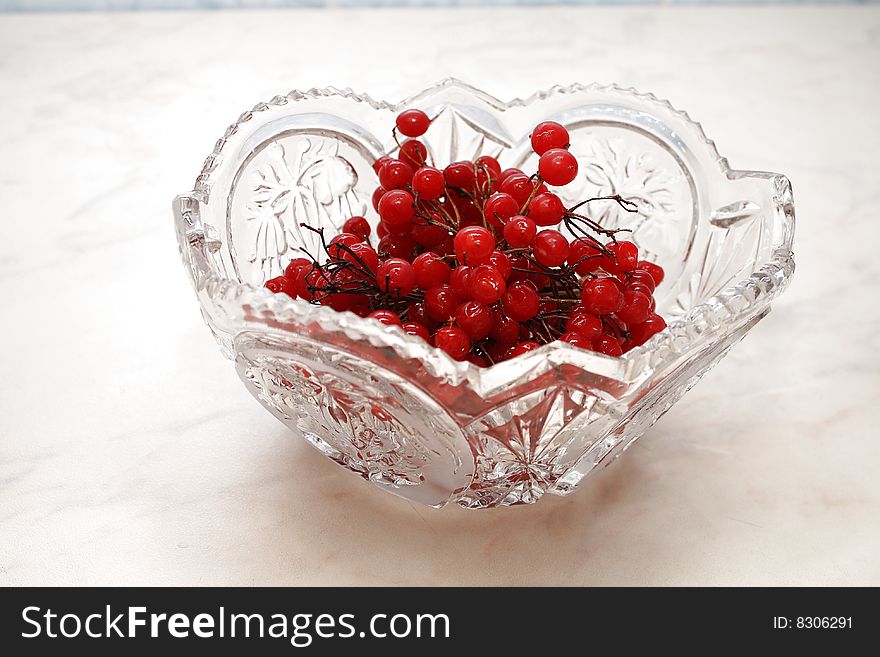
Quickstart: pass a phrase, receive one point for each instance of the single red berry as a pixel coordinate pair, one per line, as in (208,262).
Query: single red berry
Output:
(378,193)
(490,163)
(441,302)
(293,267)
(461,175)
(419,314)
(377,165)
(608,345)
(521,348)
(641,333)
(400,245)
(504,175)
(519,186)
(638,286)
(478,360)
(499,208)
(501,262)
(520,231)
(428,235)
(359,226)
(413,122)
(475,318)
(428,183)
(334,248)
(387,317)
(414,153)
(521,301)
(601,296)
(415,328)
(486,284)
(395,275)
(636,307)
(546,209)
(547,135)
(626,255)
(430,270)
(656,271)
(585,256)
(558,167)
(473,245)
(454,341)
(396,207)
(364,258)
(584,323)
(577,339)
(505,330)
(395,174)
(282,284)
(460,280)
(642,277)
(550,248)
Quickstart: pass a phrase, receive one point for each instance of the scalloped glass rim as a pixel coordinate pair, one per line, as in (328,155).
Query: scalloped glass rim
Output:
(725,309)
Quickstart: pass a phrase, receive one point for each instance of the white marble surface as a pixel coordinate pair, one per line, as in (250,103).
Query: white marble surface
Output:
(131,454)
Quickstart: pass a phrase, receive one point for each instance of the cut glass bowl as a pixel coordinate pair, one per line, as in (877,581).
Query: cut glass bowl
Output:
(404,415)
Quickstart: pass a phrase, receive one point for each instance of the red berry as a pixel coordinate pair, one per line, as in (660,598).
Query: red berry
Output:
(558,167)
(656,271)
(636,307)
(608,345)
(397,246)
(430,270)
(415,328)
(282,284)
(428,183)
(519,186)
(363,256)
(396,207)
(521,348)
(396,276)
(641,277)
(519,231)
(504,175)
(546,209)
(641,333)
(547,135)
(454,341)
(490,163)
(473,245)
(505,330)
(441,302)
(501,262)
(551,248)
(395,174)
(585,256)
(387,317)
(600,296)
(377,165)
(460,280)
(293,267)
(336,247)
(414,153)
(461,175)
(378,193)
(419,314)
(413,123)
(499,208)
(475,318)
(428,235)
(521,301)
(358,226)
(626,255)
(577,340)
(584,323)
(486,284)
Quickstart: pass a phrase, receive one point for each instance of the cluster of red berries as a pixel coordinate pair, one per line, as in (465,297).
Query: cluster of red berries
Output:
(461,263)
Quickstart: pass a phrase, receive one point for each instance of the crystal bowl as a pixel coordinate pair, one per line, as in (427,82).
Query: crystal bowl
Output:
(404,415)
